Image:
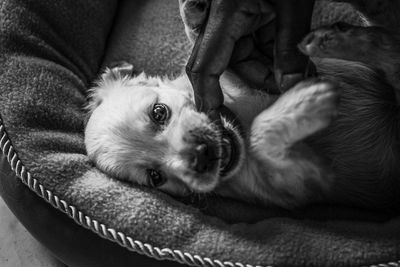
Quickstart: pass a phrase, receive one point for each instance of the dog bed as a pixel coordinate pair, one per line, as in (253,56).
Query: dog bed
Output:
(50,53)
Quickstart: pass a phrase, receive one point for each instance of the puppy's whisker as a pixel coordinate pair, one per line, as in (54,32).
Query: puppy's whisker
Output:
(203,201)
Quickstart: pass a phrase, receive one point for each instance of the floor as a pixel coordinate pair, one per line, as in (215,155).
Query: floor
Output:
(17,247)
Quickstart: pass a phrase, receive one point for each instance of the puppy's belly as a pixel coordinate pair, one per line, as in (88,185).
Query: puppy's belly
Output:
(359,143)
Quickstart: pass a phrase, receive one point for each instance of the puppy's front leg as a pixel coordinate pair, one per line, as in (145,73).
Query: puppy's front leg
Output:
(376,47)
(295,174)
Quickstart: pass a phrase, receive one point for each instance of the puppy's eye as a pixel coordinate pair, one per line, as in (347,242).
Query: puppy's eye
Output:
(160,113)
(155,178)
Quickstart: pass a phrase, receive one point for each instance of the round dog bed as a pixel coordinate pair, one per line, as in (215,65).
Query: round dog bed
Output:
(50,53)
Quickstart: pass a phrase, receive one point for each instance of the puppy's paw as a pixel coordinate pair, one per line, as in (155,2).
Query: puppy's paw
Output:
(307,108)
(311,105)
(327,42)
(300,112)
(116,70)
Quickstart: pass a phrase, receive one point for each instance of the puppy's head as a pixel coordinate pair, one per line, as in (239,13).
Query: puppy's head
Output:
(148,131)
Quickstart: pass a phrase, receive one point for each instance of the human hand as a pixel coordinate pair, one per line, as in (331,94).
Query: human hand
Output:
(293,23)
(226,38)
(240,34)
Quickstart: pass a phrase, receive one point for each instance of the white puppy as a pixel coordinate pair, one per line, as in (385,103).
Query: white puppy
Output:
(148,131)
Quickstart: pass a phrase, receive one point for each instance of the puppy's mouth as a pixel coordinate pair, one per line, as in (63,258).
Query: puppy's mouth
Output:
(229,157)
(231,145)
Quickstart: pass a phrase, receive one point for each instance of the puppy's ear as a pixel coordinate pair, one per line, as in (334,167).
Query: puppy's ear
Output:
(117,71)
(96,96)
(112,76)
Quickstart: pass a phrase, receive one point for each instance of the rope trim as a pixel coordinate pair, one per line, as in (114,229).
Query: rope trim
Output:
(109,233)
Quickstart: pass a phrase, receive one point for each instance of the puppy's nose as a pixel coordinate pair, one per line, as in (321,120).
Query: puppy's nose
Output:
(203,158)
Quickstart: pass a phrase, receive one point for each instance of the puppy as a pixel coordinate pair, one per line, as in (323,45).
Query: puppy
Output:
(291,150)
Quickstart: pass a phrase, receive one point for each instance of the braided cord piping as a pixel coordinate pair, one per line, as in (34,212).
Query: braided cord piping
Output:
(109,233)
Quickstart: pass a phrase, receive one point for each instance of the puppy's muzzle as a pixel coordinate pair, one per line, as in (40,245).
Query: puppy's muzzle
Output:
(203,157)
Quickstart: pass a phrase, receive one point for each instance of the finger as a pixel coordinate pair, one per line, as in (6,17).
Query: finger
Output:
(255,74)
(210,57)
(252,66)
(292,24)
(252,59)
(228,21)
(265,39)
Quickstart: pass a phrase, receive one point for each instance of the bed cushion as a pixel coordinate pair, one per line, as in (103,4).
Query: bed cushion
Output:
(50,53)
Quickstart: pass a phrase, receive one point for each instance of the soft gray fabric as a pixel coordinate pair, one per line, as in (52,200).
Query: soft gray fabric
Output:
(50,53)
(156,45)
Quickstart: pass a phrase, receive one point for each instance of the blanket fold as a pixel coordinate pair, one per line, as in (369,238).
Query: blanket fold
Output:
(51,51)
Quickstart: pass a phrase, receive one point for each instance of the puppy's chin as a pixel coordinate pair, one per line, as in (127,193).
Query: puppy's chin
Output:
(204,184)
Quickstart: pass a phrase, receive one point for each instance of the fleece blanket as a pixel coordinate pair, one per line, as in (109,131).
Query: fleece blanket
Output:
(51,51)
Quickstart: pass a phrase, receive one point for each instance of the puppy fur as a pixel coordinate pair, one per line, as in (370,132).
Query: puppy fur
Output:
(301,147)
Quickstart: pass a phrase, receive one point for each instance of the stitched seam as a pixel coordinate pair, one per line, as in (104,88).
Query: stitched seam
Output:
(109,233)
